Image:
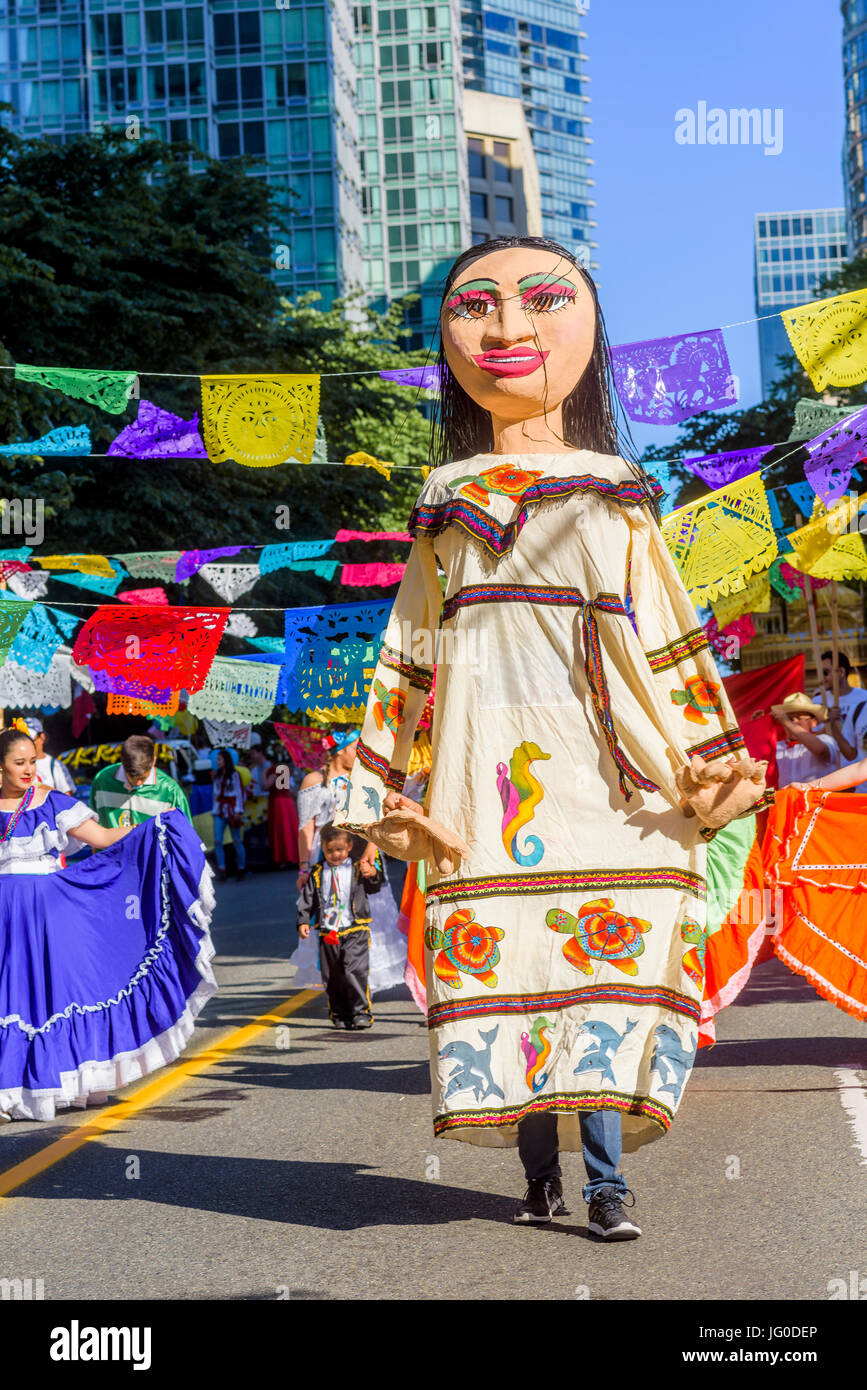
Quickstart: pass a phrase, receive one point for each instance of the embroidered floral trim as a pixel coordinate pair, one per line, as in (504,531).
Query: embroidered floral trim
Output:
(545,594)
(718,746)
(681,649)
(558,1104)
(497,536)
(569,880)
(417,676)
(374,763)
(455,1010)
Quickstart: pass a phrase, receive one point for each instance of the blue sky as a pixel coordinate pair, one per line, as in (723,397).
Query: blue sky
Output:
(676,221)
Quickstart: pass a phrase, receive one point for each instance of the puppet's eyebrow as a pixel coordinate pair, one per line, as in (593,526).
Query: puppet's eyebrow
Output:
(475,285)
(548,277)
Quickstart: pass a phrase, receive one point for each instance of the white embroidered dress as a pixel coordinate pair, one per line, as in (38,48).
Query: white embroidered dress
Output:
(571,670)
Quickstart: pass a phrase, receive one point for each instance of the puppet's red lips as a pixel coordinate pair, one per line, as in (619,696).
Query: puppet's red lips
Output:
(520,362)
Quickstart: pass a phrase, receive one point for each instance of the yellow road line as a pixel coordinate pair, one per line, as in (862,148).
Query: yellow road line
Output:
(150,1092)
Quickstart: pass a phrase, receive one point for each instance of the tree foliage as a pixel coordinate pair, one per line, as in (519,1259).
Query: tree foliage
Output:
(117,254)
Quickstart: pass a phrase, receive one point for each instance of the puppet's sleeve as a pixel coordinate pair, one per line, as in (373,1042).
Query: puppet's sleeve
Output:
(675,705)
(401,684)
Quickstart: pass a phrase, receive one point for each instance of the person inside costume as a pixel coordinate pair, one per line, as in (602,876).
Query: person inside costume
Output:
(583,747)
(105,964)
(334,900)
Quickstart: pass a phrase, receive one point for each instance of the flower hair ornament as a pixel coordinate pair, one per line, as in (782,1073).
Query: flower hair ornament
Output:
(341,738)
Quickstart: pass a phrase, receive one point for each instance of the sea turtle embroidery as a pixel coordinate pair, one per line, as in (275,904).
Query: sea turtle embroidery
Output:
(607,1041)
(671,1060)
(699,699)
(536,1047)
(388,709)
(464,945)
(695,936)
(473,1069)
(600,933)
(508,482)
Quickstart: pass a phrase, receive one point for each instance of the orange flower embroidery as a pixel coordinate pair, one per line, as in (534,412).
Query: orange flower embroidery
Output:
(699,699)
(507,481)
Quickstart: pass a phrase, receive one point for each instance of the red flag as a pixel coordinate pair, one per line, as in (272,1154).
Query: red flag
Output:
(83,709)
(752,694)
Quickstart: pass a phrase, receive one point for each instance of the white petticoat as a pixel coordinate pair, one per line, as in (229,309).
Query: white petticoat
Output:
(387,949)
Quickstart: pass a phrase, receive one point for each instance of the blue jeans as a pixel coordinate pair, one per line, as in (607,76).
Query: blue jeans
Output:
(237,834)
(601,1139)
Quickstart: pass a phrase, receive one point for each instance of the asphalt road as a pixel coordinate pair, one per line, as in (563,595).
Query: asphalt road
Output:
(309,1171)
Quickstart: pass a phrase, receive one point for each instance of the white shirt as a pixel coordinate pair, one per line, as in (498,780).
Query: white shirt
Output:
(335,894)
(797,763)
(54,774)
(853,725)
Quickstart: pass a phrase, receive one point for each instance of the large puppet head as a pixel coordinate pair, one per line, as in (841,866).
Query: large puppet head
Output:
(523,338)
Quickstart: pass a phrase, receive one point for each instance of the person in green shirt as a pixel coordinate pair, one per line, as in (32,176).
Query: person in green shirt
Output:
(134,789)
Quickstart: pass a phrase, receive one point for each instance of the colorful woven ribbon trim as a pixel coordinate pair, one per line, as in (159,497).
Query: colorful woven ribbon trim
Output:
(607,603)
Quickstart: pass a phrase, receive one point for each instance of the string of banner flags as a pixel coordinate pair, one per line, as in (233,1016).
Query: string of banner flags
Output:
(261,421)
(730,545)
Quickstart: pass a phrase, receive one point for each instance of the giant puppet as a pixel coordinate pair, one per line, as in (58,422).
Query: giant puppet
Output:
(584,750)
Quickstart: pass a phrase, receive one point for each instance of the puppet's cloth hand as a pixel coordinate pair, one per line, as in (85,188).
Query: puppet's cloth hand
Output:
(720,790)
(410,835)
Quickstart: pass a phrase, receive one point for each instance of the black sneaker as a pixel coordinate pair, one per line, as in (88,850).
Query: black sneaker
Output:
(542,1200)
(361,1021)
(607,1217)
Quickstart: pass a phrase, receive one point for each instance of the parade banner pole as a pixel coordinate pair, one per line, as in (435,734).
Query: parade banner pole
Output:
(814,636)
(835,640)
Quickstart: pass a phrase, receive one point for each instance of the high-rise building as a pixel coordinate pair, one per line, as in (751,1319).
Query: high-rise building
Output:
(855,81)
(233,76)
(531,50)
(413,153)
(794,252)
(504,178)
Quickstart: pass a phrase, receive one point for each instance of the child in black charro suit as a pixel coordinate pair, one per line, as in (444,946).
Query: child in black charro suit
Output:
(334,900)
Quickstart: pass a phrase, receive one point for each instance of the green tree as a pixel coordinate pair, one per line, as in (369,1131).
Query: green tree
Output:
(116,254)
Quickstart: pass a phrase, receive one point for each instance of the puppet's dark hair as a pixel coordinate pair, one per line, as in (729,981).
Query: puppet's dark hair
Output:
(461,428)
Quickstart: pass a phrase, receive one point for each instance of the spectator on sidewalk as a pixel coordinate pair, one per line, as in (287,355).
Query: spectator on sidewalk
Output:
(50,771)
(806,751)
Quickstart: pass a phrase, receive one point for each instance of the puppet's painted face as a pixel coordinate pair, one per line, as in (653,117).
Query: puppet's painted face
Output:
(518,330)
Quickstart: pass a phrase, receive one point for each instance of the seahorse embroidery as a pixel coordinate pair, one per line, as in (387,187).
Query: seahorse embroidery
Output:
(520,793)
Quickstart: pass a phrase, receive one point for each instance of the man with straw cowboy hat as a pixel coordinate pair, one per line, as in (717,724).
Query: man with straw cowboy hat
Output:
(804,754)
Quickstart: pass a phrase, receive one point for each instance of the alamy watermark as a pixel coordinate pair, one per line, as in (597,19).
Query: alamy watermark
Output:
(736,126)
(23,516)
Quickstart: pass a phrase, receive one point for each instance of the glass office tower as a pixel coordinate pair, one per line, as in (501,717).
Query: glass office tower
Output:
(794,252)
(233,76)
(532,50)
(413,153)
(855,83)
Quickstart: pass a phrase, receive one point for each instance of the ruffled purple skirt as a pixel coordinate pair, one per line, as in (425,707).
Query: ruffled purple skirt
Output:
(104,967)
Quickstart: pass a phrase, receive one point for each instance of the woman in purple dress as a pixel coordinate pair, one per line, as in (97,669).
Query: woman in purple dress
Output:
(104,964)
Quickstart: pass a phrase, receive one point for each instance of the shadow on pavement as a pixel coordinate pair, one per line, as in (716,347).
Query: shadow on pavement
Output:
(784,1052)
(327,1196)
